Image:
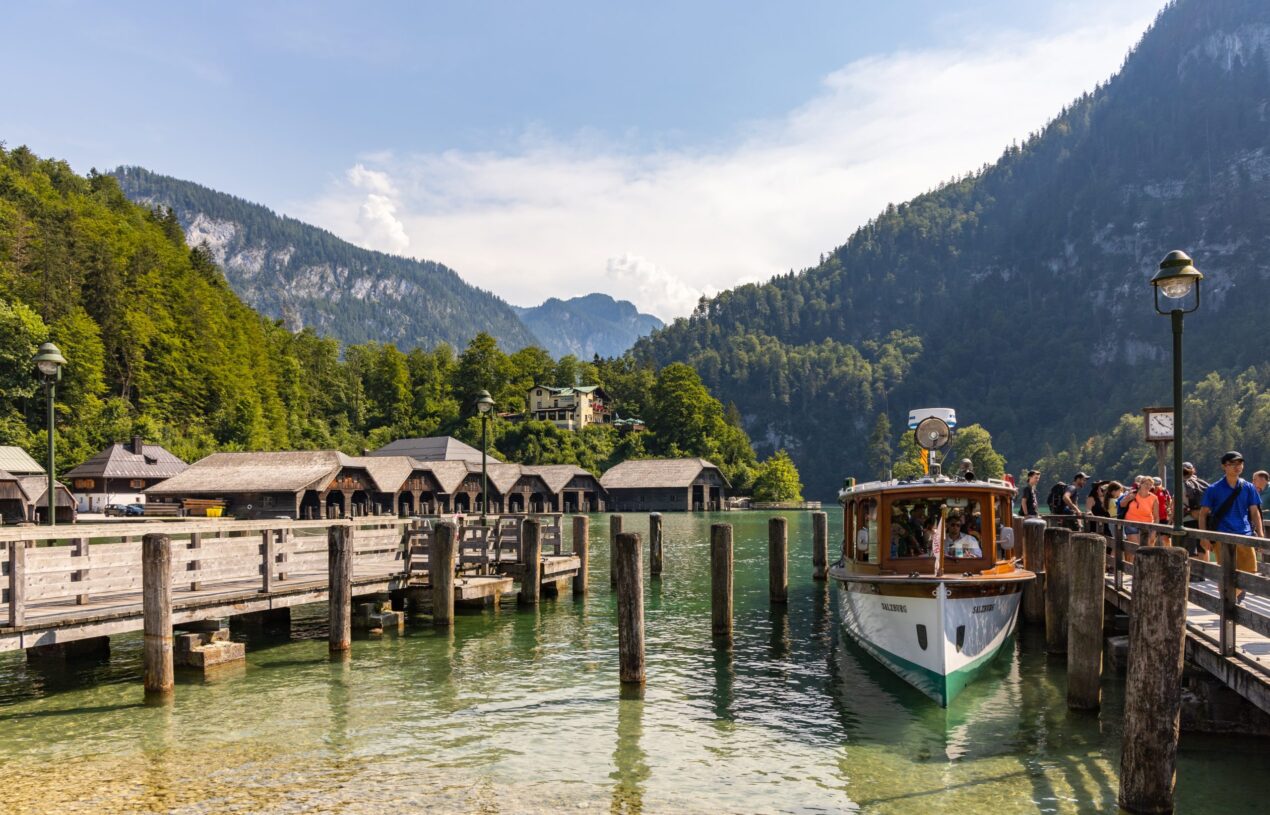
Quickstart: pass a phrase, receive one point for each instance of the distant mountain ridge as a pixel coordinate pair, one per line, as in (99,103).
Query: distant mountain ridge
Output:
(1020,293)
(588,325)
(306,276)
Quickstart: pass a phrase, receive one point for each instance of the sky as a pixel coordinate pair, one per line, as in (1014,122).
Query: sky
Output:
(654,151)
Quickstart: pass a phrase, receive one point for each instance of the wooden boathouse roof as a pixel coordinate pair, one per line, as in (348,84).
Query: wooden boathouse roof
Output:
(433,448)
(657,472)
(16,461)
(254,472)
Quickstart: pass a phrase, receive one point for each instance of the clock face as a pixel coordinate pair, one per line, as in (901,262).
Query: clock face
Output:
(1160,426)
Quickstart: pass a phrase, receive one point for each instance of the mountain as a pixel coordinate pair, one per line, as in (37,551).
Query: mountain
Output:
(1020,293)
(588,325)
(306,276)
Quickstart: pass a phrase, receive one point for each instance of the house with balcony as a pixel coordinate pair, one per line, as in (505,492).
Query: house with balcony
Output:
(569,408)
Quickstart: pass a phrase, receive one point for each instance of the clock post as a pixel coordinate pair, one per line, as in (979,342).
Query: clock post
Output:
(1159,424)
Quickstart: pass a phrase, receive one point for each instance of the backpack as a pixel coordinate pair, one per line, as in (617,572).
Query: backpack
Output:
(1055,500)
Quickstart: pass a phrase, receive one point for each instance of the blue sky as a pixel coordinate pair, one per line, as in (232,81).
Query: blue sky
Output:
(656,150)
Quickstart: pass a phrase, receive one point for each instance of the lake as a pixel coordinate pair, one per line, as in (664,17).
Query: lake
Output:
(521,711)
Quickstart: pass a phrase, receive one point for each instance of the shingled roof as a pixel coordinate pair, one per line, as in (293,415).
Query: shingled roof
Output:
(119,460)
(15,461)
(254,472)
(656,472)
(387,472)
(556,475)
(433,448)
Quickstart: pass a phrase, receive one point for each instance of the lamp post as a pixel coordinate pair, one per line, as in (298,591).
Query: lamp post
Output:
(48,362)
(1176,279)
(483,405)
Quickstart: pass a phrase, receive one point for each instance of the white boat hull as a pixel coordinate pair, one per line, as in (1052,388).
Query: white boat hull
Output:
(936,636)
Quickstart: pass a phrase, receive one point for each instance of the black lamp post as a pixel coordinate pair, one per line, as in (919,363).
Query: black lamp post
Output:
(1176,280)
(483,404)
(48,362)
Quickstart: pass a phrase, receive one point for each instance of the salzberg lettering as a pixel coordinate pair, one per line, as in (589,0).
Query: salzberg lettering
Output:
(902,609)
(983,609)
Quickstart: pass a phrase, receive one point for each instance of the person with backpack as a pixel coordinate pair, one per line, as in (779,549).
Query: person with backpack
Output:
(1233,505)
(1141,507)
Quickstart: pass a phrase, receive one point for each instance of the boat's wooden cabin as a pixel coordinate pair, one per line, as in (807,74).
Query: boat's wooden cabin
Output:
(891,527)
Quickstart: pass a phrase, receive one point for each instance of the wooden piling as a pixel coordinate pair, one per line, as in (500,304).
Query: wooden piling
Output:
(778,560)
(629,568)
(819,545)
(156,610)
(1057,577)
(531,547)
(654,544)
(17,583)
(339,559)
(582,551)
(721,580)
(1086,601)
(1033,543)
(1153,682)
(441,573)
(615,529)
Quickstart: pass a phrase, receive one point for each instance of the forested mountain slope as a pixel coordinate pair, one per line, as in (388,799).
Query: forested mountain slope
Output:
(588,325)
(306,276)
(1021,293)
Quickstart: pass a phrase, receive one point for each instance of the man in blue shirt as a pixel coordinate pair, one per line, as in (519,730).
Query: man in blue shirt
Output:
(1233,505)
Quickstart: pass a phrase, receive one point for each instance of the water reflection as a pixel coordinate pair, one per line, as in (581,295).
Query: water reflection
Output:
(630,762)
(721,695)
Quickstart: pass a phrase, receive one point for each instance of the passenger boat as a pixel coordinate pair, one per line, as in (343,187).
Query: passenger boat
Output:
(928,581)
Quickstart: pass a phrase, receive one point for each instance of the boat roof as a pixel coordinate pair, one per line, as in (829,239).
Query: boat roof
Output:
(924,484)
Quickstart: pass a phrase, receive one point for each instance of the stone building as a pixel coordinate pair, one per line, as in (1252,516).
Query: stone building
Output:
(569,408)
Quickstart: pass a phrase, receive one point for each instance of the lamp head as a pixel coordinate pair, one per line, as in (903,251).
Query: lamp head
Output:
(48,360)
(1177,275)
(484,402)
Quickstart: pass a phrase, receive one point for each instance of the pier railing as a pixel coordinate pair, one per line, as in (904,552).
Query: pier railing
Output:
(1240,598)
(51,570)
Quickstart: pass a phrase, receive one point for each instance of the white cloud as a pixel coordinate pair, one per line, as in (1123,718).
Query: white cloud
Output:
(564,217)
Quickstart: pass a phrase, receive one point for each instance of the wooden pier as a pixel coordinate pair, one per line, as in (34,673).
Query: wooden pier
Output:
(82,581)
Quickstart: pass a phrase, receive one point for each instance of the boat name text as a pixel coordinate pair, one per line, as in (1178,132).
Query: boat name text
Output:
(900,607)
(983,609)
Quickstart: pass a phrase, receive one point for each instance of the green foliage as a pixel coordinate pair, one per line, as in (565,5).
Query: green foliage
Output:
(879,461)
(909,463)
(975,443)
(777,479)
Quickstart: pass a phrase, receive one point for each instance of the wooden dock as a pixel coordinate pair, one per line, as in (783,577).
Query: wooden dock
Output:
(76,582)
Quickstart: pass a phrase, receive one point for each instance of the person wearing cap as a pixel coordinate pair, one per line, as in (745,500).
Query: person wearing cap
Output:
(965,471)
(1233,505)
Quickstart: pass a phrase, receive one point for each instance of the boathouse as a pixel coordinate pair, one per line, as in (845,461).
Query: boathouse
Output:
(661,485)
(24,487)
(121,473)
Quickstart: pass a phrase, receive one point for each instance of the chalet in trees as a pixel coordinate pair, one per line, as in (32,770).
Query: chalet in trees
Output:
(569,408)
(660,485)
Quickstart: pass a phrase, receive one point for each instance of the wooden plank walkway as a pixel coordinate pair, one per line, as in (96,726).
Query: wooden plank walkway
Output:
(84,580)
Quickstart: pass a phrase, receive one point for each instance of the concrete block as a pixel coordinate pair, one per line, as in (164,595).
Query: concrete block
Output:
(1116,653)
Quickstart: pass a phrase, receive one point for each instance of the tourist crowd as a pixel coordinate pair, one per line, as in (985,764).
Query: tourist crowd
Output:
(1227,504)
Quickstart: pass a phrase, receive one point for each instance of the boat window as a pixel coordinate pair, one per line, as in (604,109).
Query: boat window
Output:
(848,529)
(866,536)
(921,525)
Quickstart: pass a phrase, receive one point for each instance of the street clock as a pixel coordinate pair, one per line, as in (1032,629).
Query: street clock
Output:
(1159,423)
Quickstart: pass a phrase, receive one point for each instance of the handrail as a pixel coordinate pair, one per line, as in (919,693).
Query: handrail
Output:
(1230,582)
(176,528)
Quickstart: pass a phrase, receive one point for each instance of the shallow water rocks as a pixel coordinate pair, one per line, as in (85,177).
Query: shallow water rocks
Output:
(206,649)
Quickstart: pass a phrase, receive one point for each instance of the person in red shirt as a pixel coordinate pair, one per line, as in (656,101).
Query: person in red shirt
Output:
(1166,500)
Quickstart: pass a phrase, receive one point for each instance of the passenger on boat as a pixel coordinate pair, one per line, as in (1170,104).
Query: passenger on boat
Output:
(961,543)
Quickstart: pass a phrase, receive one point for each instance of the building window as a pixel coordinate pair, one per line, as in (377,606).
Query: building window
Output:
(84,483)
(137,484)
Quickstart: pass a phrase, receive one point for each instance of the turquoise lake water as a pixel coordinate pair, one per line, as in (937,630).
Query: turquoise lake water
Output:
(521,711)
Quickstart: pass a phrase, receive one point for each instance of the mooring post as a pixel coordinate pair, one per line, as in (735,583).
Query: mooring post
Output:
(582,551)
(1057,576)
(615,529)
(654,544)
(17,583)
(531,580)
(778,560)
(1034,561)
(721,580)
(1153,682)
(629,568)
(156,612)
(441,573)
(339,596)
(1087,587)
(819,545)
